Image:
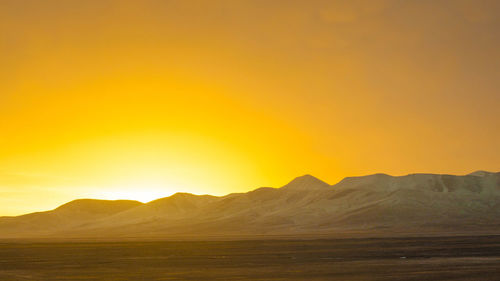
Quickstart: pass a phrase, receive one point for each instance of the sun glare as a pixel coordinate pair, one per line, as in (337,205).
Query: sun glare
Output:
(137,188)
(143,193)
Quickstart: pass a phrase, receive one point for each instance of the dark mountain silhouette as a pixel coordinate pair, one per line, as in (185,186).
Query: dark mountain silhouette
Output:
(374,204)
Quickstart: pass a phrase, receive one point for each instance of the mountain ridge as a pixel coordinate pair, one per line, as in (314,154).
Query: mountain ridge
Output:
(426,203)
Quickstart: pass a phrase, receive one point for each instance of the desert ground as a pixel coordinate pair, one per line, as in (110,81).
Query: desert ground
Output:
(423,258)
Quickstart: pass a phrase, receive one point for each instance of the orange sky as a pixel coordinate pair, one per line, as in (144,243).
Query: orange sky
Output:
(141,99)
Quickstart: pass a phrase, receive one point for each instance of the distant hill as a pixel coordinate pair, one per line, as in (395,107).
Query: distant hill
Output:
(377,204)
(72,214)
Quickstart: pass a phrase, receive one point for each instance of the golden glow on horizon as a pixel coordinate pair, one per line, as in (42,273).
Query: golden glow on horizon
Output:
(141,192)
(142,99)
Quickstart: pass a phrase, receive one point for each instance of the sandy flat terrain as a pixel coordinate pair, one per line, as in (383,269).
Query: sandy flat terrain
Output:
(436,258)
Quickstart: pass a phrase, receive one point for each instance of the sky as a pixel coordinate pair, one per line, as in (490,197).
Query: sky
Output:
(142,99)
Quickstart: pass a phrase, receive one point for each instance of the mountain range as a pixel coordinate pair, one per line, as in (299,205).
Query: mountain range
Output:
(376,204)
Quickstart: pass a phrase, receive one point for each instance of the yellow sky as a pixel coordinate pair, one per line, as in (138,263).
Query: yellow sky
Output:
(141,99)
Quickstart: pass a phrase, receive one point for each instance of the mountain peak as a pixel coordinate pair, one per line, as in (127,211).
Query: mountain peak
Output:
(77,203)
(480,173)
(97,205)
(306,182)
